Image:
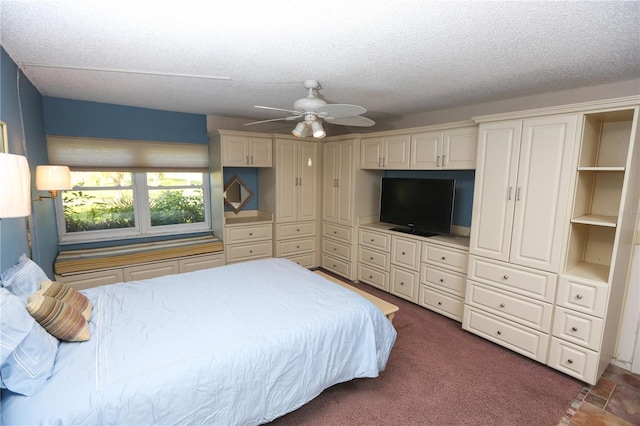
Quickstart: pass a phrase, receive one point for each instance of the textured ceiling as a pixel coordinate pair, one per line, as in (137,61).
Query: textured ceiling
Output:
(394,58)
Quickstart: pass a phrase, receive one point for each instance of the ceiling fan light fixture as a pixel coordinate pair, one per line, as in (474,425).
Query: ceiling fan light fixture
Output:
(318,131)
(301,130)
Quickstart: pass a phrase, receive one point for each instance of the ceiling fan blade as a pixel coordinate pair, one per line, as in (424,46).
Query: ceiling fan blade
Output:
(356,121)
(340,110)
(298,113)
(272,119)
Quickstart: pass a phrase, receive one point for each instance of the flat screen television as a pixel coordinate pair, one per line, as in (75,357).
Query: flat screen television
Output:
(418,206)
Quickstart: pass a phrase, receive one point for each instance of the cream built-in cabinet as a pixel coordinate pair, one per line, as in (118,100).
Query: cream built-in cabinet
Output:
(430,272)
(291,190)
(552,232)
(444,149)
(389,152)
(248,236)
(240,149)
(348,193)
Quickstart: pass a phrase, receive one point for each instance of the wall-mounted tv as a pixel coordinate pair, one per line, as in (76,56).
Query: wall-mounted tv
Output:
(418,206)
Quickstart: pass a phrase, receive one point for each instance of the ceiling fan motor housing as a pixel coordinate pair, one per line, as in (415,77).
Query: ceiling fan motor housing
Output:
(308,104)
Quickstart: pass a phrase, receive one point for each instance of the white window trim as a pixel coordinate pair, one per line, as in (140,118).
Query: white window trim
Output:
(143,226)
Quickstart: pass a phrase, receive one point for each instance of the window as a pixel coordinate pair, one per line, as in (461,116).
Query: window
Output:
(107,205)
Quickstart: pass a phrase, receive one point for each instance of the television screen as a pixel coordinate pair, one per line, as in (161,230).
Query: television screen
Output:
(418,206)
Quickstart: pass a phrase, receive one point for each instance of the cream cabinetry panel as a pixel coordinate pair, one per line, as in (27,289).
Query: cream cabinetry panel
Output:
(337,181)
(338,249)
(92,279)
(405,252)
(443,280)
(142,271)
(374,254)
(574,360)
(523,165)
(444,149)
(151,270)
(385,152)
(577,328)
(518,338)
(290,248)
(374,276)
(248,241)
(446,257)
(245,151)
(295,230)
(441,302)
(404,283)
(297,180)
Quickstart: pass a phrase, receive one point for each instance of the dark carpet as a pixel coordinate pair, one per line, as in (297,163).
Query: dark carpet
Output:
(439,374)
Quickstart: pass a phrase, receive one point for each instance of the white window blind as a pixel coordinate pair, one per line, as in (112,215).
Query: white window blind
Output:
(126,155)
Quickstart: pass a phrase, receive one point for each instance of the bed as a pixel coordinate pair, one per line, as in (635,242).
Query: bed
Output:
(239,344)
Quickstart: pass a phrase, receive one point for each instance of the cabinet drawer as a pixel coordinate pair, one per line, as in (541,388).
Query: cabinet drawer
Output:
(573,360)
(376,240)
(518,338)
(257,250)
(295,230)
(293,247)
(374,277)
(442,303)
(151,270)
(337,232)
(404,283)
(405,253)
(450,282)
(197,263)
(577,328)
(583,296)
(445,257)
(374,258)
(529,312)
(337,249)
(336,265)
(92,279)
(248,233)
(307,260)
(525,281)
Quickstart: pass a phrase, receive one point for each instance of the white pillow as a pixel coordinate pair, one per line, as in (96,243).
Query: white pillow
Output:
(24,278)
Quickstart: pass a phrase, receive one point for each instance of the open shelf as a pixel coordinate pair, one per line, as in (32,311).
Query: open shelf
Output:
(596,219)
(598,195)
(590,271)
(605,139)
(590,251)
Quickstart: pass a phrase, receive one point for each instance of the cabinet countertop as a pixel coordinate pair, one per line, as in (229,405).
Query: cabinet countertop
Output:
(453,241)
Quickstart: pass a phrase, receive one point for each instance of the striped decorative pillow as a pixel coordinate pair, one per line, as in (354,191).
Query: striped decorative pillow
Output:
(68,295)
(58,318)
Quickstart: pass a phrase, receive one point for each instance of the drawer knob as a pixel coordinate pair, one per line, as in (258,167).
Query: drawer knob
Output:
(499,332)
(574,328)
(335,232)
(444,258)
(578,296)
(401,283)
(403,253)
(250,251)
(441,280)
(506,277)
(299,247)
(335,248)
(502,305)
(570,361)
(370,277)
(371,258)
(250,233)
(372,240)
(439,303)
(297,230)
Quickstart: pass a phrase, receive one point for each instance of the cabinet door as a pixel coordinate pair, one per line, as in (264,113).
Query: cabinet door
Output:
(459,148)
(345,195)
(260,152)
(307,172)
(235,151)
(425,150)
(286,181)
(371,153)
(494,190)
(396,152)
(542,191)
(151,270)
(329,181)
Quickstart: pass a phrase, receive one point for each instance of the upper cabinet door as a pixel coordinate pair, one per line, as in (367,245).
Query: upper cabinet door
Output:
(308,180)
(425,150)
(396,152)
(260,152)
(330,163)
(542,191)
(371,152)
(286,181)
(235,151)
(459,148)
(345,182)
(494,189)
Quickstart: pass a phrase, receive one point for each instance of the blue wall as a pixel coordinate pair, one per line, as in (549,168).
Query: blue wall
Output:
(67,117)
(464,189)
(21,109)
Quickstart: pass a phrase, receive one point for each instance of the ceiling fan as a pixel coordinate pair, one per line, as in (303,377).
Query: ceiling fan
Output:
(313,110)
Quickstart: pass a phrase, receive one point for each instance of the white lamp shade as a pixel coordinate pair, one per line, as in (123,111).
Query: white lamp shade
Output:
(15,190)
(318,131)
(53,178)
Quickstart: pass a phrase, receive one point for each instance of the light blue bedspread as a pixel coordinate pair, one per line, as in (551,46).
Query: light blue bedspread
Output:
(241,344)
